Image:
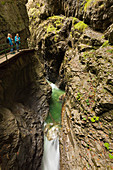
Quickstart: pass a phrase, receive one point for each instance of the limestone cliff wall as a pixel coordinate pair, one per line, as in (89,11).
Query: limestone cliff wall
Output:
(24,96)
(13,19)
(87,118)
(96,13)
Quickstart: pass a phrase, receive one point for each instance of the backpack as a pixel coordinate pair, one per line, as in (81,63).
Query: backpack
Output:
(7,40)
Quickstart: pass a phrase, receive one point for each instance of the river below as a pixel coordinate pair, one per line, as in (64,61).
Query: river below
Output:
(51,156)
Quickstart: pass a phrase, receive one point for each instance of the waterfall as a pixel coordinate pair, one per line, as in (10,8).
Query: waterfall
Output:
(51,155)
(53,86)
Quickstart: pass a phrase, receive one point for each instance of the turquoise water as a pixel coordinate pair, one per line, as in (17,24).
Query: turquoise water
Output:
(55,105)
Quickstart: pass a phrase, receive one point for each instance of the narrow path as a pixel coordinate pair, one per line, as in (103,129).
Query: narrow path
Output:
(3,57)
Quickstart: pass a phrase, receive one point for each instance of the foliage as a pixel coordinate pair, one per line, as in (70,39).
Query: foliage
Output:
(74,20)
(106,145)
(110,51)
(56,37)
(80,26)
(38,4)
(87,101)
(84,118)
(57,23)
(110,156)
(51,28)
(94,118)
(88,2)
(94,2)
(3,2)
(78,96)
(56,17)
(106,43)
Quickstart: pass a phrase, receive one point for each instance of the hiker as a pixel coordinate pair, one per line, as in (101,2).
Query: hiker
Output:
(12,41)
(17,41)
(9,38)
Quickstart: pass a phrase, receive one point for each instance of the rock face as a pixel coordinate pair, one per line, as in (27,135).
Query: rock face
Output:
(79,59)
(24,95)
(98,18)
(87,118)
(109,33)
(14,19)
(86,69)
(96,13)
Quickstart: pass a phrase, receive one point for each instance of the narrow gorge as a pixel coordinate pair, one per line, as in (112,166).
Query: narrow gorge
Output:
(71,44)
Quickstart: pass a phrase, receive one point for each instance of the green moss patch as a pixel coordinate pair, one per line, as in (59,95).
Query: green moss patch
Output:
(38,4)
(88,2)
(94,2)
(56,17)
(51,28)
(3,2)
(106,43)
(80,26)
(106,145)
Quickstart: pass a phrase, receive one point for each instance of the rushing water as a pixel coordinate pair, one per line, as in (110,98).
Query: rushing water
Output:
(51,154)
(55,104)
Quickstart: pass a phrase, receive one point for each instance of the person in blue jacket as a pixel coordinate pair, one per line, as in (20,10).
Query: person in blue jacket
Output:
(10,42)
(17,41)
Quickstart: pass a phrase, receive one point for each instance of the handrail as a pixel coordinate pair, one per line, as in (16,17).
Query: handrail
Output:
(5,50)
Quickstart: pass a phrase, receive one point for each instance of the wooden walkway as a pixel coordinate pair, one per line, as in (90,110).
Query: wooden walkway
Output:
(9,56)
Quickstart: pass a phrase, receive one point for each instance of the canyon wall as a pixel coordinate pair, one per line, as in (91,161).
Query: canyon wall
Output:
(96,13)
(14,19)
(74,40)
(24,95)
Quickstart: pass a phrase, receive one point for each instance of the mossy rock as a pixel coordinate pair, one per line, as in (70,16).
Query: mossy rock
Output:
(51,28)
(81,26)
(56,17)
(3,2)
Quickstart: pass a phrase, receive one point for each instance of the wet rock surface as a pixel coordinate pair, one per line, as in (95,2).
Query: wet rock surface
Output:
(24,95)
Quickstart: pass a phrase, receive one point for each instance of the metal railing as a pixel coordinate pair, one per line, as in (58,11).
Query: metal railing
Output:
(5,49)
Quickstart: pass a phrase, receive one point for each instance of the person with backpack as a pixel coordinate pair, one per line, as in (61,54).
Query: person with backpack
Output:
(17,41)
(9,40)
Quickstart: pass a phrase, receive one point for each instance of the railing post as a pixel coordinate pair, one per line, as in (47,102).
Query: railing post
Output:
(5,54)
